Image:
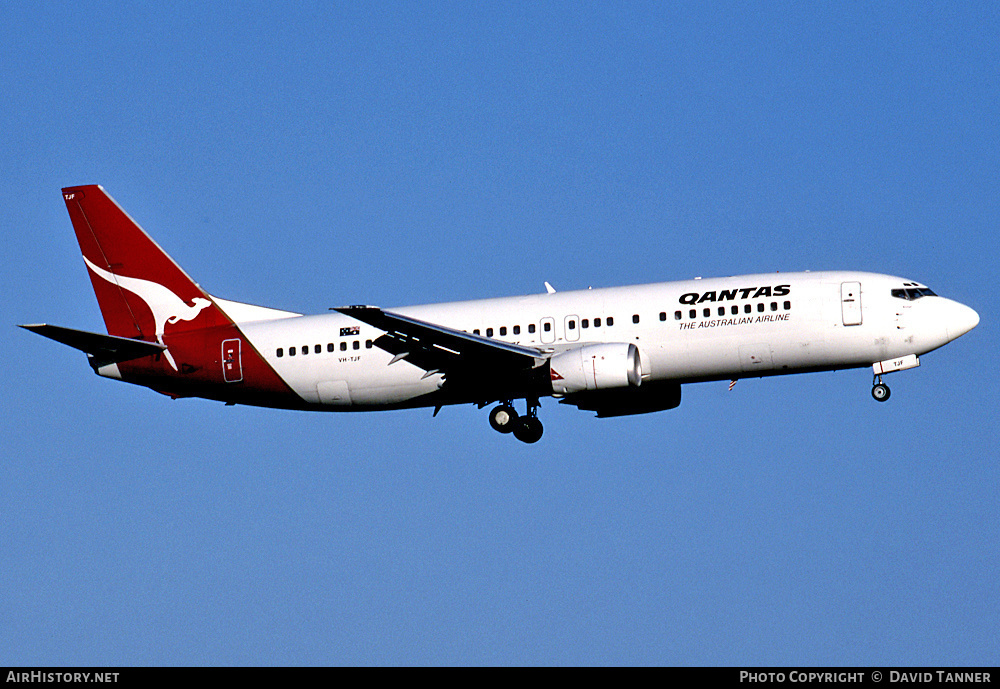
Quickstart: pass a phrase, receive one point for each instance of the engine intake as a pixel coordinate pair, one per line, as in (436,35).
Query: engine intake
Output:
(595,367)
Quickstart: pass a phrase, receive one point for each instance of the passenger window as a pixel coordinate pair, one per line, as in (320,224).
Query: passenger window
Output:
(503,331)
(597,322)
(706,312)
(291,351)
(747,308)
(517,330)
(547,326)
(760,307)
(572,325)
(722,310)
(693,313)
(343,346)
(330,347)
(489,332)
(318,349)
(734,309)
(281,352)
(774,306)
(677,315)
(663,315)
(305,350)
(357,344)
(611,321)
(531,327)
(788,305)
(368,344)
(476,331)
(635,318)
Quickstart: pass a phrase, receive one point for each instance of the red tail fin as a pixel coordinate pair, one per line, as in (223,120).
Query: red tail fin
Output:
(140,290)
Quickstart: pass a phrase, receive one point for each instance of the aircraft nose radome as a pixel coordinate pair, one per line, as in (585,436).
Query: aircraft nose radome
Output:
(961,320)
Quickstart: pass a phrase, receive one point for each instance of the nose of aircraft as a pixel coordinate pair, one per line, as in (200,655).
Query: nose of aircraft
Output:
(960,320)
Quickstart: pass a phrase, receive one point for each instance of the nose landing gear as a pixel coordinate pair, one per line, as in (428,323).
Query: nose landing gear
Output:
(880,391)
(527,428)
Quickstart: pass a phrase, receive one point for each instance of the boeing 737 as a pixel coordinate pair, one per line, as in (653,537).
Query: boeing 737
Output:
(614,351)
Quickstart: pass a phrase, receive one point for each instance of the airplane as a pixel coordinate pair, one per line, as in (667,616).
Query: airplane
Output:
(614,351)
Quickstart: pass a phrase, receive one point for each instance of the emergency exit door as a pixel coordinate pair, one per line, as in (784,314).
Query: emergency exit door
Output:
(232,364)
(850,302)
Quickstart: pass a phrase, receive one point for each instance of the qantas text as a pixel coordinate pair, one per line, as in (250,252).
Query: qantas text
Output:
(730,294)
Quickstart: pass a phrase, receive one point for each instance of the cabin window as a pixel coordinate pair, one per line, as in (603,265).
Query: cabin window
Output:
(503,330)
(291,351)
(517,330)
(318,349)
(663,315)
(774,306)
(476,331)
(547,326)
(305,350)
(747,308)
(281,352)
(343,346)
(368,344)
(677,315)
(597,322)
(788,305)
(693,313)
(611,321)
(489,332)
(734,310)
(572,325)
(330,347)
(635,318)
(531,327)
(760,307)
(706,312)
(357,344)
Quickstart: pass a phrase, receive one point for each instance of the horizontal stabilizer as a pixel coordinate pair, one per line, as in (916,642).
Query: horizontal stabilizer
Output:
(105,349)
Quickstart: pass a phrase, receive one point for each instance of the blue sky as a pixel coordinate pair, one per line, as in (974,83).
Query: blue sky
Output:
(316,155)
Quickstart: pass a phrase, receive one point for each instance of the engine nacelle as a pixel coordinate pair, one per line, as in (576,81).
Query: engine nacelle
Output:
(595,367)
(651,397)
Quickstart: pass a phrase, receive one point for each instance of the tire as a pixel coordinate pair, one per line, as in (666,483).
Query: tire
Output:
(529,430)
(504,419)
(881,392)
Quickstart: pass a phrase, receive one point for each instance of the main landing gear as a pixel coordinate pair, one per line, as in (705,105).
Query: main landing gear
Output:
(527,428)
(880,391)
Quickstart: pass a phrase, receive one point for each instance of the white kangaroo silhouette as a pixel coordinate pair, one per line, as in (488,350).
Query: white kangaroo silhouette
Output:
(166,306)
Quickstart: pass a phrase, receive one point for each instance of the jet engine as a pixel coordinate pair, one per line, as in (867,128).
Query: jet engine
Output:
(595,367)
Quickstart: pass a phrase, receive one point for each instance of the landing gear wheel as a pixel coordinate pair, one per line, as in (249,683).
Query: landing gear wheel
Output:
(881,392)
(529,430)
(504,419)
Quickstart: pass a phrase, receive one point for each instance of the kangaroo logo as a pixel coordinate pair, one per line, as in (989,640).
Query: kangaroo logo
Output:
(166,306)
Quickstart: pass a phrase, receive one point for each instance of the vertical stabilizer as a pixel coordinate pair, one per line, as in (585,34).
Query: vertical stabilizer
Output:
(141,291)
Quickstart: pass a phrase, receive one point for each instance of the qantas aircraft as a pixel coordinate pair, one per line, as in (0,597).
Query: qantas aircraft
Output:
(614,351)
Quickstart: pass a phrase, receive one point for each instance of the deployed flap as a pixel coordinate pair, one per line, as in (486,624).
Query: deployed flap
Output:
(436,347)
(106,349)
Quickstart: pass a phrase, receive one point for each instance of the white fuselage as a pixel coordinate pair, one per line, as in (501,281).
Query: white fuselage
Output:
(688,331)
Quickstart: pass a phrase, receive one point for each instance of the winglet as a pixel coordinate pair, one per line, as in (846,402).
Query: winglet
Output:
(549,288)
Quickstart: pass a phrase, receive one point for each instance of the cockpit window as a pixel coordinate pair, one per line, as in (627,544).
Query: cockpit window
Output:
(911,293)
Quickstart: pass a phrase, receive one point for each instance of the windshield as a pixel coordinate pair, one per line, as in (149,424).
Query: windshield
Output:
(911,293)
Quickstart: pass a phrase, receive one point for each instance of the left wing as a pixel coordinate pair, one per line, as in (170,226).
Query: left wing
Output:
(466,360)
